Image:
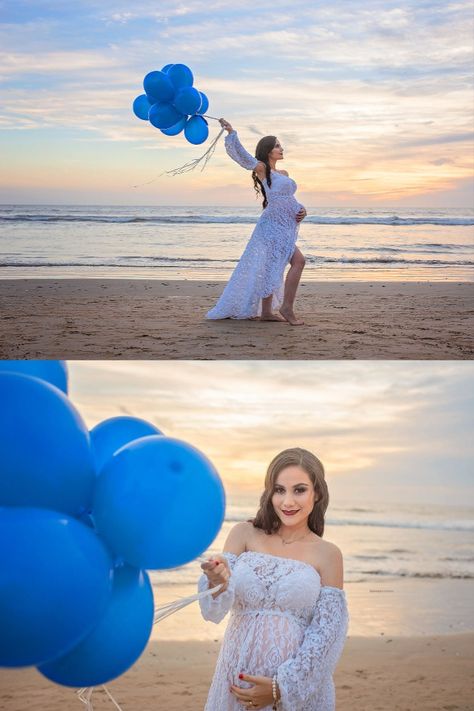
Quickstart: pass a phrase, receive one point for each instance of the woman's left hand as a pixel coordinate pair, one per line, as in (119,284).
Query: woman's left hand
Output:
(258,696)
(301,214)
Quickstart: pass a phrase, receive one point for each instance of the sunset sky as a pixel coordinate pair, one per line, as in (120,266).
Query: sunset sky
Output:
(394,431)
(371,101)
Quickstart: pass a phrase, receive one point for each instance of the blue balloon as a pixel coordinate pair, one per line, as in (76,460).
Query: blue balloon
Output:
(180,75)
(117,640)
(109,435)
(166,67)
(177,128)
(187,100)
(45,455)
(158,503)
(196,130)
(164,115)
(204,104)
(53,371)
(158,86)
(55,583)
(141,107)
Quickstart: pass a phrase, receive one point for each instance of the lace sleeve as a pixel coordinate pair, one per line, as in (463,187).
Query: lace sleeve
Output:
(238,153)
(215,609)
(304,676)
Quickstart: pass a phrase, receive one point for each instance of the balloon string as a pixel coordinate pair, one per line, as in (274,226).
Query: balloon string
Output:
(85,694)
(191,165)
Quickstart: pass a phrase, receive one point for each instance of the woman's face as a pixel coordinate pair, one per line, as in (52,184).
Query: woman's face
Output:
(277,152)
(294,496)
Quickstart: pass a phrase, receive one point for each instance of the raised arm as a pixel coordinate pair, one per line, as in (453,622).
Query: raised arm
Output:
(237,152)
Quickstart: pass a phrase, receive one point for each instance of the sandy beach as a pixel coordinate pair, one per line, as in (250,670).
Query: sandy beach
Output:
(376,674)
(145,319)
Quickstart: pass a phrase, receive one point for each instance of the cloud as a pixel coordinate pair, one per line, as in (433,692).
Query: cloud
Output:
(439,139)
(391,423)
(346,86)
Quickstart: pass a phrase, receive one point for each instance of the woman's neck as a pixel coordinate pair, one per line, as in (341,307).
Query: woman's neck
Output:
(292,532)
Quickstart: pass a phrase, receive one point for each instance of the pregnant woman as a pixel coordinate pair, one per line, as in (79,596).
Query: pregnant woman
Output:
(256,285)
(283,585)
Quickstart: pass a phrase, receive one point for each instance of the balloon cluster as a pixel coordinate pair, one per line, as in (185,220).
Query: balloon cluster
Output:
(172,104)
(82,515)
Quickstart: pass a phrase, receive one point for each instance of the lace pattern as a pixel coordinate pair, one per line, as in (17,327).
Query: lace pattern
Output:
(260,270)
(306,680)
(238,153)
(282,622)
(215,609)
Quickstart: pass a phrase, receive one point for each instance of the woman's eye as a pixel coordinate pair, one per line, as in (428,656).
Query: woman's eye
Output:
(300,491)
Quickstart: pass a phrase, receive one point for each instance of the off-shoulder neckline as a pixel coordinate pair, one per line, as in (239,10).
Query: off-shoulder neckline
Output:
(281,557)
(293,560)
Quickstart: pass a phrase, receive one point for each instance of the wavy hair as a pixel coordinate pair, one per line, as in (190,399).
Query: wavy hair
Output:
(266,518)
(262,151)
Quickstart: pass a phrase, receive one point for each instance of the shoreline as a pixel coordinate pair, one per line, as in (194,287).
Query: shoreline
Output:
(316,276)
(165,319)
(388,674)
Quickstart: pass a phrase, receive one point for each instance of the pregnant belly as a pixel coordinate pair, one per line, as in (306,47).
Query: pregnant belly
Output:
(280,213)
(260,642)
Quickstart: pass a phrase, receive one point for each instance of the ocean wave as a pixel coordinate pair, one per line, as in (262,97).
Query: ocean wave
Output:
(393,220)
(445,575)
(160,261)
(317,259)
(416,248)
(144,262)
(154,220)
(429,525)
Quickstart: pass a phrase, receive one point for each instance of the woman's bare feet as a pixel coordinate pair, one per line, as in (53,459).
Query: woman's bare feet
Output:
(272,317)
(289,315)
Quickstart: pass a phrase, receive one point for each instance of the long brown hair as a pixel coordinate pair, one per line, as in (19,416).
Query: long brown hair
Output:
(262,151)
(266,518)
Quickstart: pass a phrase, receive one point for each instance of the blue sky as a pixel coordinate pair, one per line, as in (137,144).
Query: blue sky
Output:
(385,431)
(372,102)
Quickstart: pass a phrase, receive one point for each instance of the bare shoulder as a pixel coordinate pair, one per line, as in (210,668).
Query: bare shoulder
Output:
(331,564)
(284,172)
(238,537)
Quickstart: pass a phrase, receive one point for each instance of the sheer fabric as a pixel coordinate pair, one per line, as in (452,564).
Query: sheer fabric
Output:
(260,270)
(282,622)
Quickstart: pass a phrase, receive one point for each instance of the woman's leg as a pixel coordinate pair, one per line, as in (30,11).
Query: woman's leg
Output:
(267,313)
(292,281)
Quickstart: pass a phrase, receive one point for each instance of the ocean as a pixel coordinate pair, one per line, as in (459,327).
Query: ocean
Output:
(409,244)
(408,569)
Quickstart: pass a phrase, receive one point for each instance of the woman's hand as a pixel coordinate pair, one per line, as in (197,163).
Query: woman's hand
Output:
(301,214)
(218,572)
(258,696)
(225,124)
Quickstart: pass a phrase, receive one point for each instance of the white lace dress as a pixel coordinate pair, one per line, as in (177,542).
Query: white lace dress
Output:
(260,270)
(282,622)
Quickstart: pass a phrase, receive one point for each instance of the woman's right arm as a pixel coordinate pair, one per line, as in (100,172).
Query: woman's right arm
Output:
(215,607)
(236,150)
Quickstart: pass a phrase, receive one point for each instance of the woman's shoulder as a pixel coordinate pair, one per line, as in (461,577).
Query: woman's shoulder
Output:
(328,548)
(330,563)
(238,537)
